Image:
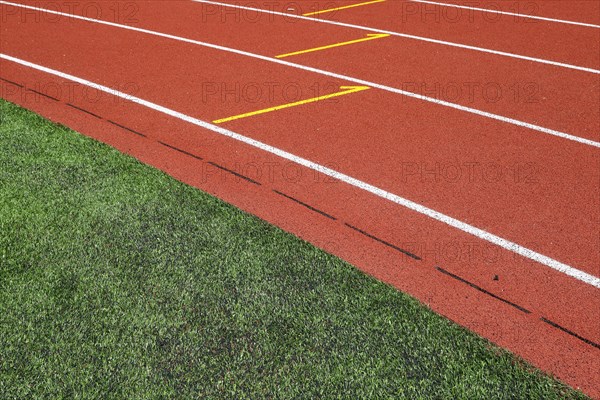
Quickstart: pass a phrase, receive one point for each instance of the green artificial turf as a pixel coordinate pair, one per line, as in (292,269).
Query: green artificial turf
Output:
(117,281)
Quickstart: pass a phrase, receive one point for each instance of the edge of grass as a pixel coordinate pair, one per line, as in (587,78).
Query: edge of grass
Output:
(118,281)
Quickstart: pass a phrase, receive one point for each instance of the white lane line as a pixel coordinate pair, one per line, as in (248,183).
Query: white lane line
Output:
(562,21)
(405,35)
(479,233)
(330,74)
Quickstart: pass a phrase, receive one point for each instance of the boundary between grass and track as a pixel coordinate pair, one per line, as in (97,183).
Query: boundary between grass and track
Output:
(363,82)
(332,218)
(462,226)
(487,367)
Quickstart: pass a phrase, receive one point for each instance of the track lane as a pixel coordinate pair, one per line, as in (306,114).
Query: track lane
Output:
(585,11)
(543,40)
(489,83)
(516,186)
(563,101)
(423,131)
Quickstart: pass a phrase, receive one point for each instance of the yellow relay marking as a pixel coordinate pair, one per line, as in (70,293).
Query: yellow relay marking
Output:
(342,8)
(370,36)
(345,90)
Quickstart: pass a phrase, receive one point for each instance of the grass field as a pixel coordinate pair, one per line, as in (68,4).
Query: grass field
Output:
(117,281)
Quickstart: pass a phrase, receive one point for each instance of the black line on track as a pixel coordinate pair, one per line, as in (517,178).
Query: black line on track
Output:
(565,330)
(408,253)
(13,83)
(181,151)
(85,111)
(474,286)
(306,205)
(126,128)
(234,173)
(48,96)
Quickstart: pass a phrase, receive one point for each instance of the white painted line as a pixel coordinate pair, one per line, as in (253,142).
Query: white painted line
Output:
(361,82)
(479,233)
(529,16)
(405,35)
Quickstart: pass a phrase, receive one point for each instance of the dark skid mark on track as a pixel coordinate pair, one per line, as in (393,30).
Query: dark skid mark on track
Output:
(126,128)
(408,253)
(45,95)
(234,173)
(85,111)
(474,286)
(565,330)
(12,83)
(181,151)
(305,205)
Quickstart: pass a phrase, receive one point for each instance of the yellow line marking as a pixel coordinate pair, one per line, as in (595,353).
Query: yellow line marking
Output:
(370,36)
(345,90)
(343,8)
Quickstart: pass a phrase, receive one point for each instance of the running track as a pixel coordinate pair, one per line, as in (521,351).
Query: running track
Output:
(464,170)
